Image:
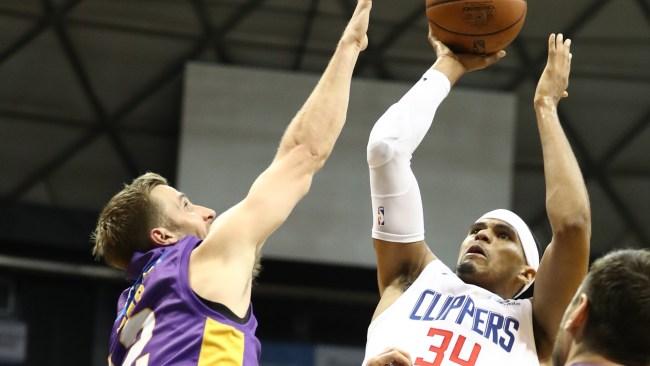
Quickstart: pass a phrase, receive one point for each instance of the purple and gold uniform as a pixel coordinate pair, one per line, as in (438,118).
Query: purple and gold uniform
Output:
(161,321)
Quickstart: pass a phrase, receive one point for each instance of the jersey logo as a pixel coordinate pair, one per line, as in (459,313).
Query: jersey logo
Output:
(380,216)
(462,310)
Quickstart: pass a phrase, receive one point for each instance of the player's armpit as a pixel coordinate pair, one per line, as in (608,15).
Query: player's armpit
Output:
(397,261)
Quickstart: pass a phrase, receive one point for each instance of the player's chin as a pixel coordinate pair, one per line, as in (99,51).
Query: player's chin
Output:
(466,268)
(470,270)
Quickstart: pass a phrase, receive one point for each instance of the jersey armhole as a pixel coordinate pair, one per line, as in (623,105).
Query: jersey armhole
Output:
(203,306)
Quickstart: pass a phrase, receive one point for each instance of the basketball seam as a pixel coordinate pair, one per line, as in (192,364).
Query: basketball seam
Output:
(440,2)
(479,34)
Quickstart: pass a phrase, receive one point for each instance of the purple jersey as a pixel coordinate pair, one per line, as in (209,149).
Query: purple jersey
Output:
(161,321)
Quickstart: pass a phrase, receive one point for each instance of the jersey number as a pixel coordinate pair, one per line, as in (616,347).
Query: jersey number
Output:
(142,323)
(442,348)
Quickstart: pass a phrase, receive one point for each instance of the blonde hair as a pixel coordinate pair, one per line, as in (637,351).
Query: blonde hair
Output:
(124,223)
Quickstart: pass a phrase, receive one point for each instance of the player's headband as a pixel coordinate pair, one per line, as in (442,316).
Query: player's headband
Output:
(526,238)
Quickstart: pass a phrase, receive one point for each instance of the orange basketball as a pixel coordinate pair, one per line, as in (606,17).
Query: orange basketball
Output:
(475,26)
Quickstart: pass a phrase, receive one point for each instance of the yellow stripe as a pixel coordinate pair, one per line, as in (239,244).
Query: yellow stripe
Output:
(222,345)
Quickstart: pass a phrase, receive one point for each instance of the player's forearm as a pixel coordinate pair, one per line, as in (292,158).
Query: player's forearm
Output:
(567,201)
(318,123)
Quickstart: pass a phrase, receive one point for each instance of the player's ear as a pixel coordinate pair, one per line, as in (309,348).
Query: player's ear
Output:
(527,274)
(160,236)
(576,316)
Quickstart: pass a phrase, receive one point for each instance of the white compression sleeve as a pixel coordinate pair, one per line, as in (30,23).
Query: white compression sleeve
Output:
(396,201)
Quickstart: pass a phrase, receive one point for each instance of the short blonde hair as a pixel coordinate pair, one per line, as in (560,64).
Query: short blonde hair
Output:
(124,223)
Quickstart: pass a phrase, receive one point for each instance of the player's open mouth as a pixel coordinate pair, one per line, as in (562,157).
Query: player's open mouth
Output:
(476,250)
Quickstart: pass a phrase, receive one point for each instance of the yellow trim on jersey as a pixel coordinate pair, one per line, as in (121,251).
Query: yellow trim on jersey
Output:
(222,345)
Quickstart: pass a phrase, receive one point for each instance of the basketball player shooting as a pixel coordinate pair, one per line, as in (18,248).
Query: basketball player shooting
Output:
(190,302)
(472,316)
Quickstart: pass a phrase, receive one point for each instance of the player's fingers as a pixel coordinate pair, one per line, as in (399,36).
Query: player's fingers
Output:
(559,40)
(551,43)
(494,58)
(400,352)
(565,49)
(363,5)
(565,94)
(397,358)
(440,47)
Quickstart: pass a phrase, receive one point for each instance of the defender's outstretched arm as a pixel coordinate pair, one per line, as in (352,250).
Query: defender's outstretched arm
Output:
(235,238)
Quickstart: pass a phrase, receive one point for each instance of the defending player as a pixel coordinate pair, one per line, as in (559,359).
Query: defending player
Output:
(190,302)
(469,317)
(608,320)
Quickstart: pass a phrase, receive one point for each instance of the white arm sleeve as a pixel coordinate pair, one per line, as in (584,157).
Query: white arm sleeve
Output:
(396,201)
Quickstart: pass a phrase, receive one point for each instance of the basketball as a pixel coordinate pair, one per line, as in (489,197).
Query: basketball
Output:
(476,26)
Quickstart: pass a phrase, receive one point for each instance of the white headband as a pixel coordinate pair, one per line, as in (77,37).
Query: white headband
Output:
(525,237)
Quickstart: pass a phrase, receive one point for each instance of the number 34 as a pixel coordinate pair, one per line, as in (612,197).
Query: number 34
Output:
(455,353)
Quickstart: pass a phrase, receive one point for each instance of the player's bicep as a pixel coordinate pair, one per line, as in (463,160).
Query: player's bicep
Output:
(400,260)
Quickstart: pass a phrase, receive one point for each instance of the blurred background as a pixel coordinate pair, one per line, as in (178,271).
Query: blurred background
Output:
(95,92)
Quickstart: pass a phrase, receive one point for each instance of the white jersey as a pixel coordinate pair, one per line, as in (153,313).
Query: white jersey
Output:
(442,321)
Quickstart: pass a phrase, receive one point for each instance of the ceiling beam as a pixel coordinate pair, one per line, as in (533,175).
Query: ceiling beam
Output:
(626,139)
(645,8)
(44,171)
(169,73)
(76,124)
(593,170)
(395,33)
(45,22)
(90,93)
(243,11)
(310,18)
(166,75)
(203,15)
(371,50)
(530,70)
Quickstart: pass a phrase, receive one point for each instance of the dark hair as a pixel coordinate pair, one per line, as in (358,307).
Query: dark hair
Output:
(124,223)
(618,321)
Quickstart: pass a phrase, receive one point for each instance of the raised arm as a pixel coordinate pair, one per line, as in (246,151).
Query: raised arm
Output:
(235,238)
(398,229)
(565,261)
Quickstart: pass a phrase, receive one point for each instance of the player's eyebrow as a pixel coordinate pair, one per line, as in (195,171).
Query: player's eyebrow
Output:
(477,225)
(509,230)
(181,196)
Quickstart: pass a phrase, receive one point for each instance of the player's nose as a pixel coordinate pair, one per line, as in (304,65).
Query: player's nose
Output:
(208,214)
(482,236)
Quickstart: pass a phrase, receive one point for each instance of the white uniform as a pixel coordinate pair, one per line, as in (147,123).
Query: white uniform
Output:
(440,320)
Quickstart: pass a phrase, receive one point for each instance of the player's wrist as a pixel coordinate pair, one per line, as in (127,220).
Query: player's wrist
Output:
(450,67)
(350,43)
(542,101)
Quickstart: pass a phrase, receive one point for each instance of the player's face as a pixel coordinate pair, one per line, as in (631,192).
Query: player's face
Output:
(491,256)
(185,217)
